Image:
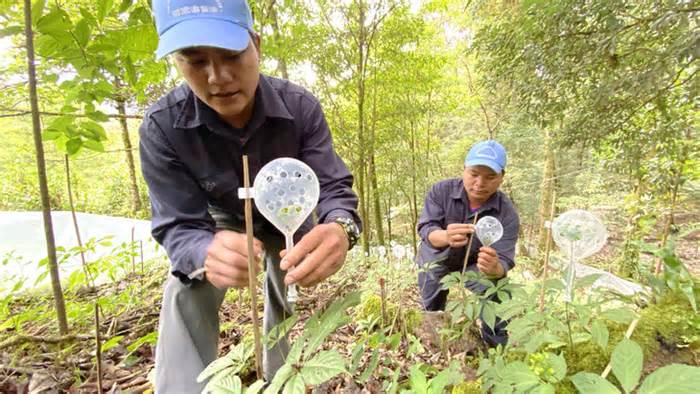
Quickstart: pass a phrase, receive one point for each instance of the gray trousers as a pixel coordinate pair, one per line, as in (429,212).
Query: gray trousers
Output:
(188,333)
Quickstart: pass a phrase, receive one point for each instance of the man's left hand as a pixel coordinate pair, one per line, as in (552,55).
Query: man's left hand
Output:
(318,255)
(489,264)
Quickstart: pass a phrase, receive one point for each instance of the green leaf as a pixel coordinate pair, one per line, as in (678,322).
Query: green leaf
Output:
(125,4)
(322,367)
(418,380)
(586,281)
(255,387)
(73,145)
(54,22)
(373,362)
(82,33)
(627,359)
(520,375)
(447,377)
(103,8)
(295,385)
(620,315)
(558,365)
(319,327)
(600,334)
(11,31)
(280,331)
(37,10)
(97,116)
(590,383)
(543,389)
(488,314)
(230,384)
(281,376)
(112,342)
(356,356)
(674,378)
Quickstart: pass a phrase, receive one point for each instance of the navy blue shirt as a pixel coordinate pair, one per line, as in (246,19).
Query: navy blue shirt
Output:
(192,162)
(447,203)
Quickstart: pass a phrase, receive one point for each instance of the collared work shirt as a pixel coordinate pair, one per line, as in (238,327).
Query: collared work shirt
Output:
(447,203)
(192,162)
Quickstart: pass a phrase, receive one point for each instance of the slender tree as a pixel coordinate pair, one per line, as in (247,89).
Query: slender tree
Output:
(41,170)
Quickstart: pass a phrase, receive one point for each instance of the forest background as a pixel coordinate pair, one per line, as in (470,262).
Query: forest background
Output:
(596,102)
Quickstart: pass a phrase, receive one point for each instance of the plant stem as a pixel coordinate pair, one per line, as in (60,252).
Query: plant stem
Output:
(469,246)
(252,282)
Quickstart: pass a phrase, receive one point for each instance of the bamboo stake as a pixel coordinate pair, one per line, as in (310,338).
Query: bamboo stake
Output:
(252,280)
(469,245)
(547,247)
(98,348)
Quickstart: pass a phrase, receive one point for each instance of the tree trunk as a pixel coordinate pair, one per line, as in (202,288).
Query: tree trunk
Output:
(378,223)
(413,201)
(136,204)
(281,62)
(547,193)
(362,181)
(41,170)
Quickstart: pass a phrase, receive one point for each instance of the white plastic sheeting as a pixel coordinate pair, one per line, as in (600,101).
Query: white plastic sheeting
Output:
(22,236)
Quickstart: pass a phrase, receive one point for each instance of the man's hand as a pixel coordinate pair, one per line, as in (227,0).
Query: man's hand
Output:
(318,255)
(457,234)
(227,259)
(489,264)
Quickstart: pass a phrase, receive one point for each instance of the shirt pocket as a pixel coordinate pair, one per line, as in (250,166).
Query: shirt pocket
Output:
(220,184)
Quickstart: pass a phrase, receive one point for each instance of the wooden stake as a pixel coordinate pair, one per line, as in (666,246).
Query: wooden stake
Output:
(628,335)
(382,291)
(252,279)
(469,245)
(547,246)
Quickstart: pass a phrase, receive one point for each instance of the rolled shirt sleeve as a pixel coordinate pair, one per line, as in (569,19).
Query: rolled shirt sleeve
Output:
(432,217)
(180,221)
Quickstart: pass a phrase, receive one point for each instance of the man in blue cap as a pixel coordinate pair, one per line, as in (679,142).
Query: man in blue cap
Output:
(192,143)
(446,224)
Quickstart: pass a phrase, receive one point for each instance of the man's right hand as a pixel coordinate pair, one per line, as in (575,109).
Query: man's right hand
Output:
(227,259)
(455,236)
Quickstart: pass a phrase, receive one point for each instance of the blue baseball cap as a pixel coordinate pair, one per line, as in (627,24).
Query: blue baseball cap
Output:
(214,23)
(487,153)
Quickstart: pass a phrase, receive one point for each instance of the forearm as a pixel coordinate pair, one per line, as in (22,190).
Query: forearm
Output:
(438,239)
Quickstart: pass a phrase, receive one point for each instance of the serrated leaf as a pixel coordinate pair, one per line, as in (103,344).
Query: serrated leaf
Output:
(280,331)
(558,364)
(418,380)
(627,360)
(322,367)
(521,376)
(543,389)
(674,378)
(97,116)
(255,387)
(295,385)
(620,315)
(103,8)
(590,383)
(320,326)
(230,384)
(94,145)
(281,376)
(600,334)
(488,314)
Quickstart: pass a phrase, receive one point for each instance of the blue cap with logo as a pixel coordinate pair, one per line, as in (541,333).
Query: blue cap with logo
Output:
(214,23)
(487,153)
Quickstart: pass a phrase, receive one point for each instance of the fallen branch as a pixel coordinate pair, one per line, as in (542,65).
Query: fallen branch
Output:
(22,338)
